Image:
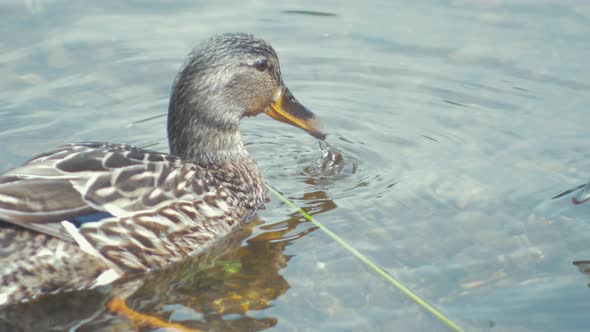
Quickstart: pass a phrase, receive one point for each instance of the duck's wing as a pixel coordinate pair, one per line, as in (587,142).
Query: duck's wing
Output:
(85,178)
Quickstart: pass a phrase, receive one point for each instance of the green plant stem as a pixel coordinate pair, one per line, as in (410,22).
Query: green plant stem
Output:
(406,291)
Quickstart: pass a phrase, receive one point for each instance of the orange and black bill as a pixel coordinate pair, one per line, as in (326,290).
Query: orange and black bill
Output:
(288,110)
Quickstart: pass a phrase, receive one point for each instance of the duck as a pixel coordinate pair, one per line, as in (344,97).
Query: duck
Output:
(87,214)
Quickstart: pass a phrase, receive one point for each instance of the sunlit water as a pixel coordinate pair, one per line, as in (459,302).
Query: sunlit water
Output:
(451,125)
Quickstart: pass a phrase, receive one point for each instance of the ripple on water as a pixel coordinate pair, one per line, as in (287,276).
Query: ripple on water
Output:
(445,152)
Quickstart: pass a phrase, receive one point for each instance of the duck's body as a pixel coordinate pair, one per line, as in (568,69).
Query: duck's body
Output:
(156,209)
(86,214)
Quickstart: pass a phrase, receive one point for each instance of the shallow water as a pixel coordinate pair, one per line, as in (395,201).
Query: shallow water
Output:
(457,121)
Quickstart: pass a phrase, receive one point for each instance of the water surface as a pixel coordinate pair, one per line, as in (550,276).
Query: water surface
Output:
(464,118)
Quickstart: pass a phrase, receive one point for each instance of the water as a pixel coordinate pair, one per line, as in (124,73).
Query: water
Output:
(451,126)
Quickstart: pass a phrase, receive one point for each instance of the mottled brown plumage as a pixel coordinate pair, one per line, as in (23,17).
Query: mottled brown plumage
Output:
(86,214)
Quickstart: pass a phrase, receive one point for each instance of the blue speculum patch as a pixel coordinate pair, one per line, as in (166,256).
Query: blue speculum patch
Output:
(80,220)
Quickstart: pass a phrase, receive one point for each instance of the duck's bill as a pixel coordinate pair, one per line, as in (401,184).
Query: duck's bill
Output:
(288,110)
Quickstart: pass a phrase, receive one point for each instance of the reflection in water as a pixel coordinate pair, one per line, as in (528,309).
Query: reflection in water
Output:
(584,267)
(214,291)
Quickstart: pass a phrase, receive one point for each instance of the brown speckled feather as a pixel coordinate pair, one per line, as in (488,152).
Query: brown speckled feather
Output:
(153,198)
(148,208)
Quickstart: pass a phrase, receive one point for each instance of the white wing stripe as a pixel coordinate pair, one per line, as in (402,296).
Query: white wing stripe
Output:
(80,240)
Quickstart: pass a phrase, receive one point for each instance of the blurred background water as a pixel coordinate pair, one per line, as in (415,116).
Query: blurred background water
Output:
(463,118)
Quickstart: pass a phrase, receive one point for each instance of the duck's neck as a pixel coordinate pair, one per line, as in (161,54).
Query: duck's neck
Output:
(207,145)
(221,152)
(217,146)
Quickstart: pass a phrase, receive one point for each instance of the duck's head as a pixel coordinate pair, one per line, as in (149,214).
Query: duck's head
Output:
(227,78)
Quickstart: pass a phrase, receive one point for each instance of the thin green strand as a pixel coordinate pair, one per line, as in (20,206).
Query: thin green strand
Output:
(435,312)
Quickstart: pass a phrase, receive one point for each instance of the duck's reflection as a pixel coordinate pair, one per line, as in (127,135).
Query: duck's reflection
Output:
(214,291)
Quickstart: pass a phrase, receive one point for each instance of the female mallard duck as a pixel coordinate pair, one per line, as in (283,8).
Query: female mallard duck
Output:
(86,214)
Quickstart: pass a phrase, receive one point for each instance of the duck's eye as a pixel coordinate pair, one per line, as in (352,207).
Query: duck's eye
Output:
(261,65)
